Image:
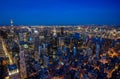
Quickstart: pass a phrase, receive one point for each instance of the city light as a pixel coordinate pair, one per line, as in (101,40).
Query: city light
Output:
(58,52)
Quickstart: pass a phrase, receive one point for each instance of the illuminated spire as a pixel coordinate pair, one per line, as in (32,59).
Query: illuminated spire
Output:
(11,22)
(54,32)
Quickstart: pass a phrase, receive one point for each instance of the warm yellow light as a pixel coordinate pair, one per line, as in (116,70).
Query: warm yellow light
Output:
(7,78)
(14,72)
(6,52)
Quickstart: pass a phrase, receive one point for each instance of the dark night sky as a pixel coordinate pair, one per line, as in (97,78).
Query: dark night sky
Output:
(59,12)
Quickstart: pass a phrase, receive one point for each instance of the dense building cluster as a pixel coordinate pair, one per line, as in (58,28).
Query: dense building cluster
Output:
(59,52)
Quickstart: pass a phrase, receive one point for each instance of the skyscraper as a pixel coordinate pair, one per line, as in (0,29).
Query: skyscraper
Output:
(54,31)
(11,22)
(36,43)
(23,74)
(62,30)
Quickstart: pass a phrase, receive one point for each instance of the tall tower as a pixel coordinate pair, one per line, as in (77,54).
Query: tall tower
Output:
(23,73)
(11,22)
(54,31)
(62,31)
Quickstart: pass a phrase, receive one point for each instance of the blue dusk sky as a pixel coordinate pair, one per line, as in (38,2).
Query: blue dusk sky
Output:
(59,12)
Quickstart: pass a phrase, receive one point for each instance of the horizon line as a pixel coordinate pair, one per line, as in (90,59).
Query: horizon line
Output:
(66,25)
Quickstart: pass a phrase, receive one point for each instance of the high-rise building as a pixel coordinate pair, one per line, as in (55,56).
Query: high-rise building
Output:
(21,37)
(62,31)
(61,41)
(11,22)
(23,73)
(74,51)
(54,32)
(36,43)
(13,71)
(97,50)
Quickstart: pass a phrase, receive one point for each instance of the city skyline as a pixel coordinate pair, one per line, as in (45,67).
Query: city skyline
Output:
(60,12)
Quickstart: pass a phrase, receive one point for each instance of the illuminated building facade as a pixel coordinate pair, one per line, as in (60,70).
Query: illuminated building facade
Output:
(23,74)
